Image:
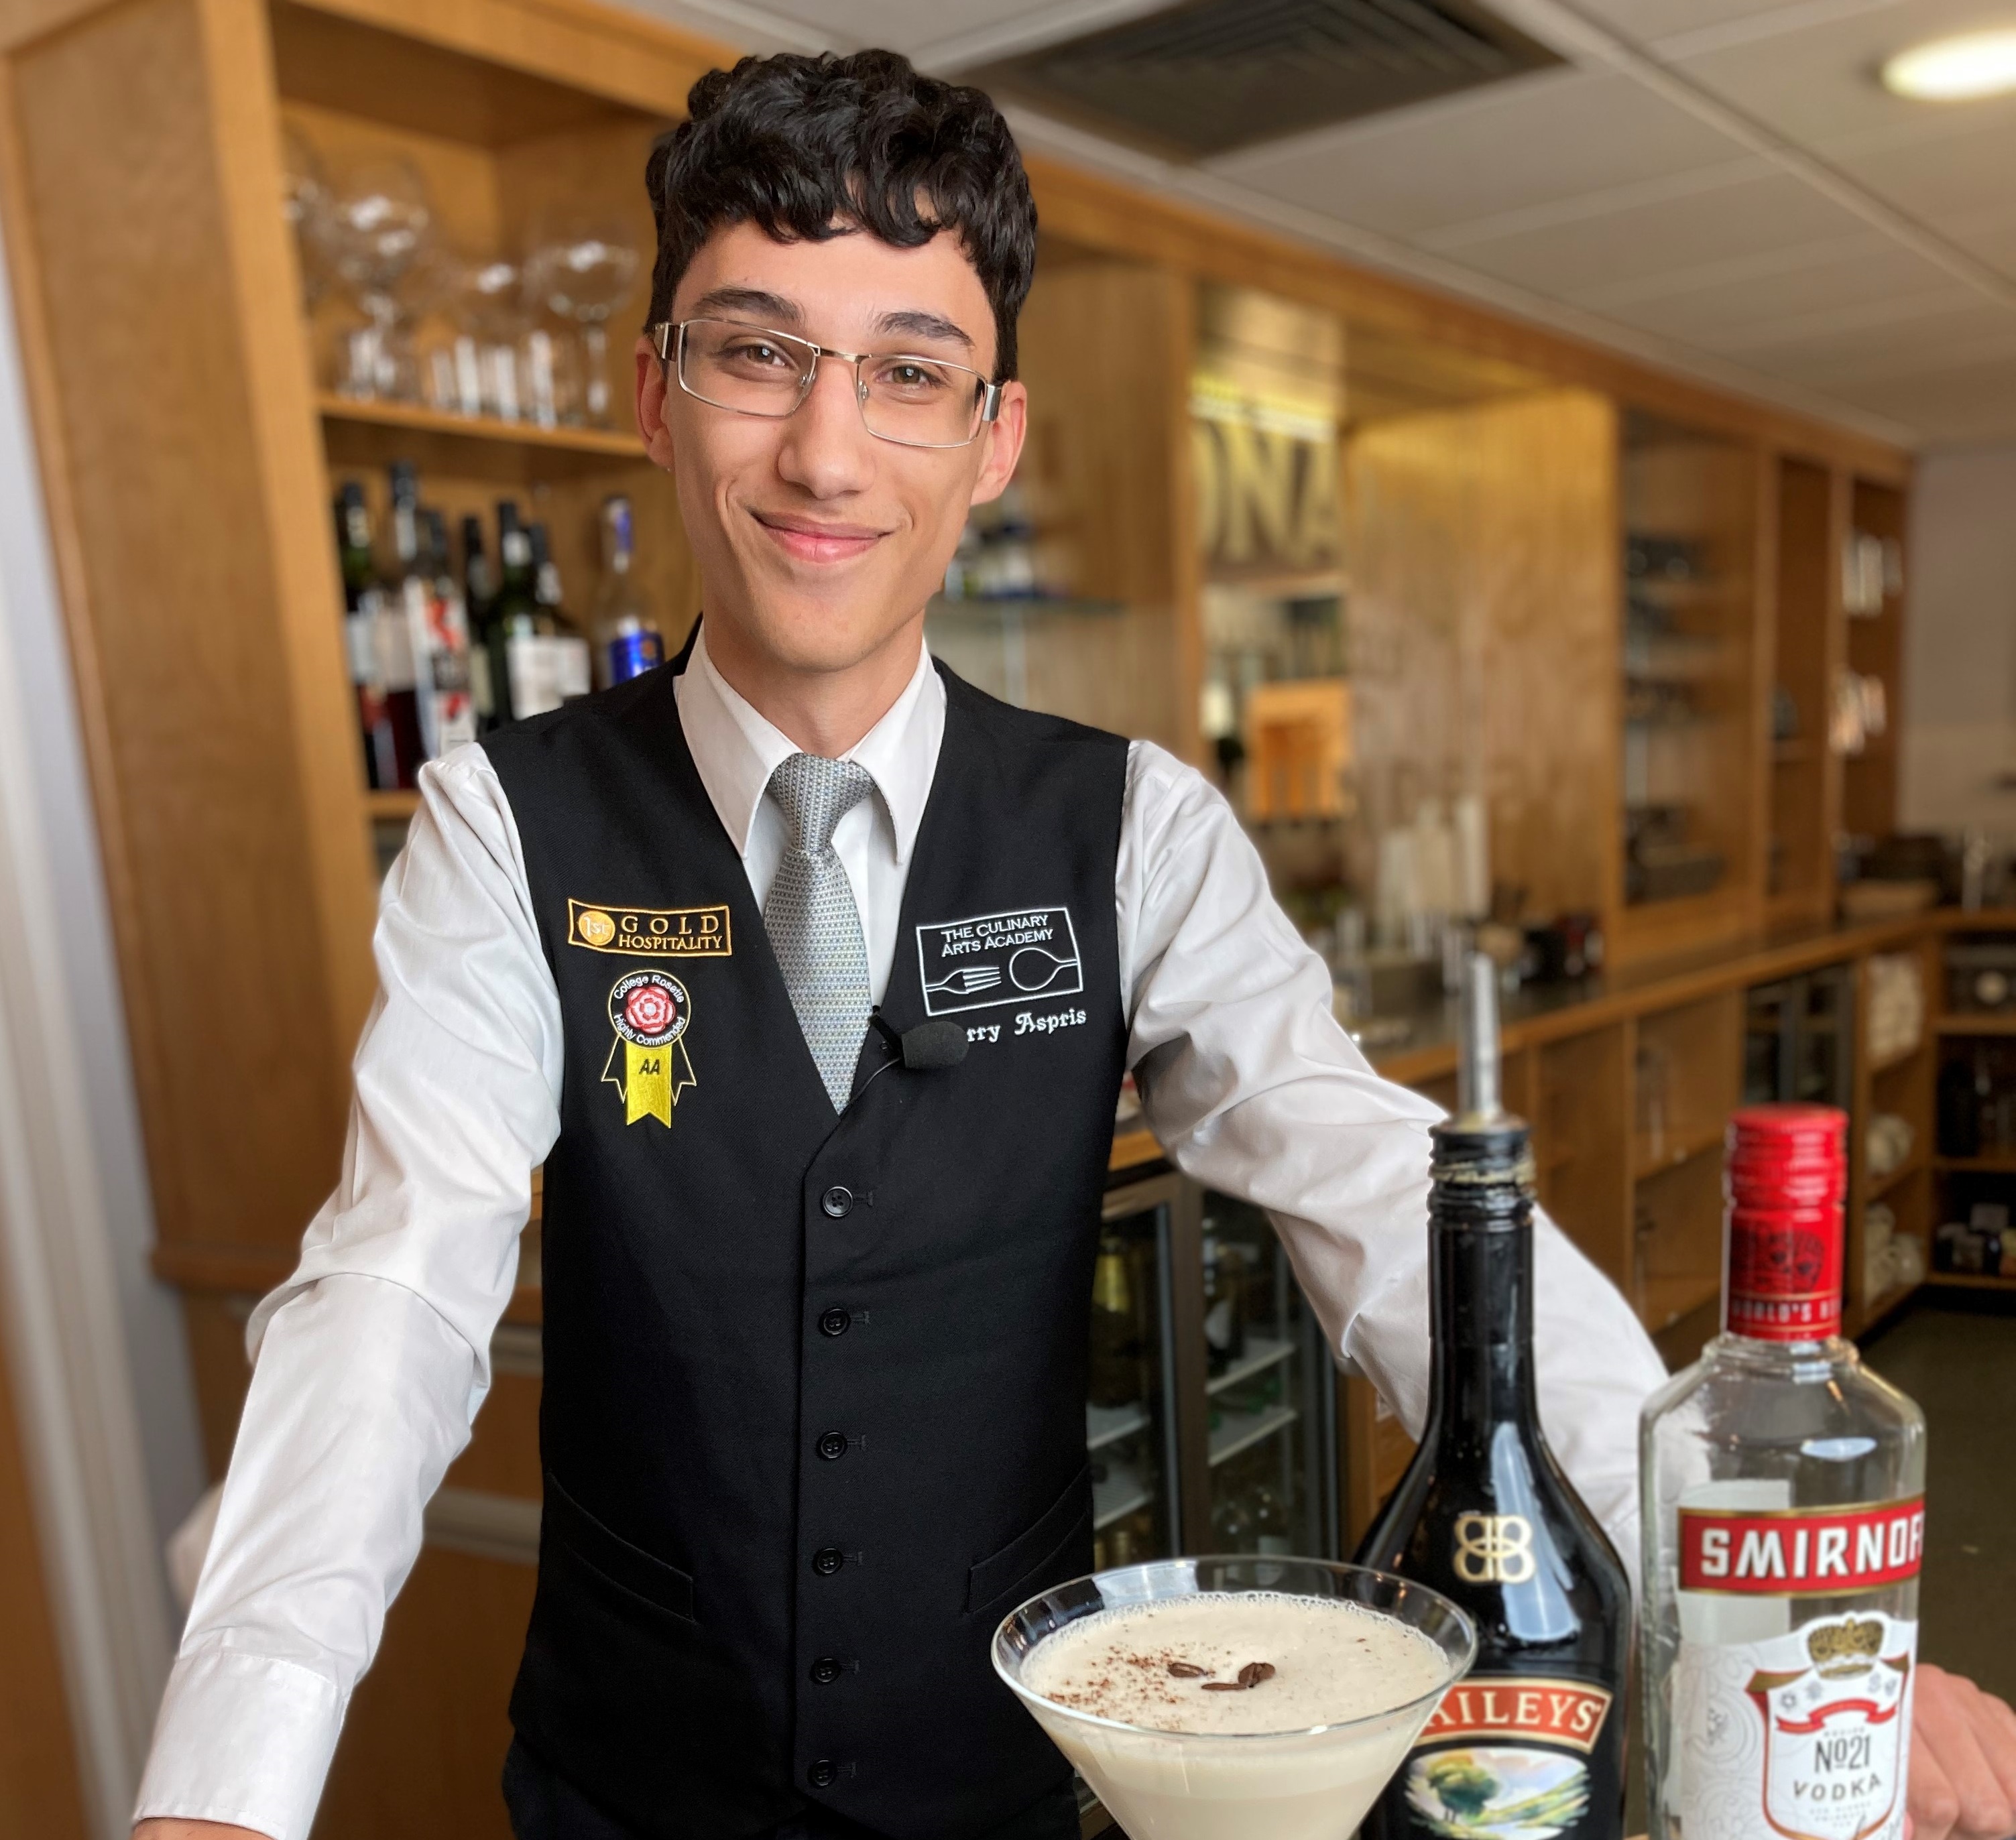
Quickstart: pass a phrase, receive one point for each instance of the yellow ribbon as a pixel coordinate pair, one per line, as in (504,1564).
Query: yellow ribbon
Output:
(652,1078)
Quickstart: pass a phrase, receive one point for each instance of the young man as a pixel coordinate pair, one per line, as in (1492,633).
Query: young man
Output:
(816,1307)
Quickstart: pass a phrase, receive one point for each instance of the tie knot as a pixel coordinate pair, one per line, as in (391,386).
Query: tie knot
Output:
(814,794)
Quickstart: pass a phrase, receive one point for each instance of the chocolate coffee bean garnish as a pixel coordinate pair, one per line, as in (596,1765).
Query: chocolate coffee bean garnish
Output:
(1183,1670)
(1250,1677)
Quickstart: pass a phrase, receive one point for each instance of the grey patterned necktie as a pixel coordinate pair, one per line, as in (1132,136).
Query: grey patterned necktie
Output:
(809,914)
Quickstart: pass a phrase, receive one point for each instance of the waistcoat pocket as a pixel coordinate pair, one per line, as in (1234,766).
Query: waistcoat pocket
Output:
(609,1553)
(1032,1552)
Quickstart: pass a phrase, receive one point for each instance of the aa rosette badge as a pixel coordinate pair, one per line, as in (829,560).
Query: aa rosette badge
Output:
(650,1012)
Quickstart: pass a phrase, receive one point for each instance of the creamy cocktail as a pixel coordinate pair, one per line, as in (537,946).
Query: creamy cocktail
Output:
(1235,1699)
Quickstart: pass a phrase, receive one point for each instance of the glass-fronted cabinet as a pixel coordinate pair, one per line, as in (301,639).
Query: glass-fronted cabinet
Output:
(1212,1418)
(1130,1414)
(1270,1394)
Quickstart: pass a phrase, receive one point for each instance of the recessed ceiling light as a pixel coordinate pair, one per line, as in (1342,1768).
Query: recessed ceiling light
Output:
(1956,69)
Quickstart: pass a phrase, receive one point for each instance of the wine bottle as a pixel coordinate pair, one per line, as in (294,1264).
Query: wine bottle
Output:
(392,631)
(1224,1302)
(441,641)
(513,614)
(1117,1377)
(1532,1740)
(479,589)
(361,603)
(628,641)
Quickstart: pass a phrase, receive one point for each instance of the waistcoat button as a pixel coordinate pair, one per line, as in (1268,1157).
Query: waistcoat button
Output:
(837,1202)
(828,1560)
(832,1444)
(826,1670)
(834,1322)
(823,1773)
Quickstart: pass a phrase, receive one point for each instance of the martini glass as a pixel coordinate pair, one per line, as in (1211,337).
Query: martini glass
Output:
(1314,1781)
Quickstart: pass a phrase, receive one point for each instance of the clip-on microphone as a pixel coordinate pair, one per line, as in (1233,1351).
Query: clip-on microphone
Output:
(925,1048)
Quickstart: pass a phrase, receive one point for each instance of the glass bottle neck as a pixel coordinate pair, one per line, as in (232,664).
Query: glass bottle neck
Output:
(1481,1317)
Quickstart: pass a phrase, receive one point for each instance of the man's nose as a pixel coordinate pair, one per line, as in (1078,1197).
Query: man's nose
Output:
(827,449)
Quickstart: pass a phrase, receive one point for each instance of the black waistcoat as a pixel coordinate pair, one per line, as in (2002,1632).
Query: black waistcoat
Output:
(813,1418)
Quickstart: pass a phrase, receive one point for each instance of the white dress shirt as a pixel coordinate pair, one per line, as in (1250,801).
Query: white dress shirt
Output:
(372,1360)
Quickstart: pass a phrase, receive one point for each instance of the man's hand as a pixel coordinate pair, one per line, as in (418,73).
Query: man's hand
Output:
(189,1830)
(1963,1761)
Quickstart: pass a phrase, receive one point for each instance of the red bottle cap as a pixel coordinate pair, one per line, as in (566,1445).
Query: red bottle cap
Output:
(1787,1174)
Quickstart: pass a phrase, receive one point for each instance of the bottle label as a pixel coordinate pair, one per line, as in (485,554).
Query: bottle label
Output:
(631,654)
(1830,1552)
(1800,1736)
(1508,1757)
(1785,1273)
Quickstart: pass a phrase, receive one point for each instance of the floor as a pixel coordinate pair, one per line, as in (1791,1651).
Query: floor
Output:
(1959,1363)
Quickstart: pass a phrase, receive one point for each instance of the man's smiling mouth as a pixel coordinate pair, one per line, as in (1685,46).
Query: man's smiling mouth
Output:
(818,540)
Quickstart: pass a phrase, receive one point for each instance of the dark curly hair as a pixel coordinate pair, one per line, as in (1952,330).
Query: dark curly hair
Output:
(799,146)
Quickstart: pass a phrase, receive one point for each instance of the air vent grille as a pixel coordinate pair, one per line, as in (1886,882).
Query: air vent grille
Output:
(1209,76)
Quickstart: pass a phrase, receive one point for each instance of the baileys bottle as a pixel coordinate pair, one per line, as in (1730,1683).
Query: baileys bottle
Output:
(1530,1742)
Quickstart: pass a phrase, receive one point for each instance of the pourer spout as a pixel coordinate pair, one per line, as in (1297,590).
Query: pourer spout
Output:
(1477,1096)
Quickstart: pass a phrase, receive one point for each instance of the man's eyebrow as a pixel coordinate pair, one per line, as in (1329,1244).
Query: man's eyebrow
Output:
(919,324)
(742,299)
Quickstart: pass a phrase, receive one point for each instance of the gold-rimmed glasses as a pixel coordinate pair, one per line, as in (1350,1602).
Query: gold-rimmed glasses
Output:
(913,400)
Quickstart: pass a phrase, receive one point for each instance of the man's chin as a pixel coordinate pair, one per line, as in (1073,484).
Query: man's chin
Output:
(824,636)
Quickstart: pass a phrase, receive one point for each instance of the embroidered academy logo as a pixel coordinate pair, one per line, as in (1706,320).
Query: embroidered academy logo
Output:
(650,1012)
(1006,958)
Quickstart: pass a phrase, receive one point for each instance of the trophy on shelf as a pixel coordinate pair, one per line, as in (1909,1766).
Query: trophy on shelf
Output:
(1235,1698)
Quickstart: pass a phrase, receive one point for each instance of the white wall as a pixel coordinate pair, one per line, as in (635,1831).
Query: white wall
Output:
(1959,736)
(94,1344)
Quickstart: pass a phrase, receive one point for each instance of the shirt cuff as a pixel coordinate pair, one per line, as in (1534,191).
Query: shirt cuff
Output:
(242,1738)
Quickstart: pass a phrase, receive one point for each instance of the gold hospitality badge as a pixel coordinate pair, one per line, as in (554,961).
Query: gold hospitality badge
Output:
(649,1011)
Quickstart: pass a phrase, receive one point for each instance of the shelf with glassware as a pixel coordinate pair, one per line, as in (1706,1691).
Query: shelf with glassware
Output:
(1972,1173)
(1688,499)
(461,343)
(1873,586)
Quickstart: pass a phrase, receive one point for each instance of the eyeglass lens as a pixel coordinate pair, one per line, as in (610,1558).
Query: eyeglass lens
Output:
(918,401)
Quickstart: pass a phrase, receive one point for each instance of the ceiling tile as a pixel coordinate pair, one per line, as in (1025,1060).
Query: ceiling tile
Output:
(1734,300)
(1818,84)
(1672,236)
(1646,20)
(1963,172)
(1880,340)
(1973,401)
(1526,143)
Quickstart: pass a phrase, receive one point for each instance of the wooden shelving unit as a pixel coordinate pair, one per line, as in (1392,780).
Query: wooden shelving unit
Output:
(1692,748)
(410,418)
(188,475)
(1807,643)
(1957,1183)
(1874,647)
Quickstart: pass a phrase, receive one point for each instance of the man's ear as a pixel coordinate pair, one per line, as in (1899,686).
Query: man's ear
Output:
(650,404)
(1002,439)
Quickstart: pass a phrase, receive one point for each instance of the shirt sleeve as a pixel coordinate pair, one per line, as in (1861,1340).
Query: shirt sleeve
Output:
(371,1359)
(1253,1089)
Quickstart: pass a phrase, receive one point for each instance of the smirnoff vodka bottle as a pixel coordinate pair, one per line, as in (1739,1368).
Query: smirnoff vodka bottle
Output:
(1530,1743)
(1783,1524)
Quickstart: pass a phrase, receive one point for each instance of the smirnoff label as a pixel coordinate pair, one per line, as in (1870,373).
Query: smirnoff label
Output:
(1800,1736)
(1508,1757)
(1803,1552)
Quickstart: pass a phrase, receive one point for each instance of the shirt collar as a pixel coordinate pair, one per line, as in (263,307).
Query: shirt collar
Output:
(736,748)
